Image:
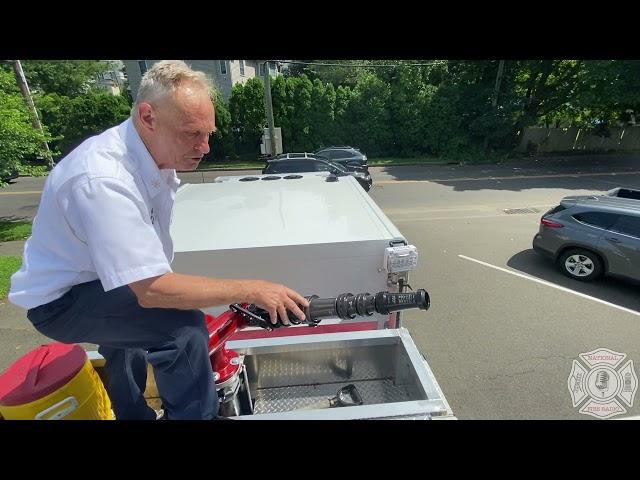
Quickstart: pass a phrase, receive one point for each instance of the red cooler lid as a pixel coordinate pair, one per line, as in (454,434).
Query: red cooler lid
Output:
(40,372)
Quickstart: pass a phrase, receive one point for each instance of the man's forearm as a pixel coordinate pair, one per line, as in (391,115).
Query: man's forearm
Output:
(175,290)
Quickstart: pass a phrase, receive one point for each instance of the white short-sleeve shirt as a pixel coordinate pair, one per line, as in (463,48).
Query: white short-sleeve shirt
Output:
(104,214)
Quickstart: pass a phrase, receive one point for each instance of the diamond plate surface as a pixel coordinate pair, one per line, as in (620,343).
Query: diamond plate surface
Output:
(332,366)
(286,399)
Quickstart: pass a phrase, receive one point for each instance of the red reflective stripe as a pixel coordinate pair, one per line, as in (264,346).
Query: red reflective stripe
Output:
(293,331)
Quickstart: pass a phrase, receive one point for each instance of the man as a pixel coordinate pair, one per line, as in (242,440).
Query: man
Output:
(96,268)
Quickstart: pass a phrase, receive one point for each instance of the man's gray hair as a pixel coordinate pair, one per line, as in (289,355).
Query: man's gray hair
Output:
(163,78)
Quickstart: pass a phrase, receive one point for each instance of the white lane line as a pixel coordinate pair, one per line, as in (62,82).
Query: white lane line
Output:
(549,284)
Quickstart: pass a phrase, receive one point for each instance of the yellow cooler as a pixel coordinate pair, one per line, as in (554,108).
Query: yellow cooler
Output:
(53,382)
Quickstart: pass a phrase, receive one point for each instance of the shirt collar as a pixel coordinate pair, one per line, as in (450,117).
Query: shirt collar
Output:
(155,180)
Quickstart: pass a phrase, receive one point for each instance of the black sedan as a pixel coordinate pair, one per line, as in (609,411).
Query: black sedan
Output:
(348,157)
(311,163)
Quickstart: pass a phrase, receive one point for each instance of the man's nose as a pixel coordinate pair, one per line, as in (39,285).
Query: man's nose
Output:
(203,146)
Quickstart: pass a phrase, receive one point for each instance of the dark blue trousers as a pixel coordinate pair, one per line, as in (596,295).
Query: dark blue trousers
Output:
(174,341)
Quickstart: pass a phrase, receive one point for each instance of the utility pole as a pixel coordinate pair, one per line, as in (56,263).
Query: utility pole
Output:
(494,100)
(269,105)
(496,90)
(35,121)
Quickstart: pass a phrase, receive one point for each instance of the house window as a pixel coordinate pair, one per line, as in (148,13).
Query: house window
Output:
(143,66)
(223,67)
(241,67)
(261,70)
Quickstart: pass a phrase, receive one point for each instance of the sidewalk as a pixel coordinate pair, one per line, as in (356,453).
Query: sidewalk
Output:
(14,248)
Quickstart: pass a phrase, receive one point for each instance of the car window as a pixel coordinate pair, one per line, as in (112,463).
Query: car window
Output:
(281,167)
(297,167)
(340,154)
(271,168)
(557,209)
(597,219)
(337,166)
(628,225)
(321,167)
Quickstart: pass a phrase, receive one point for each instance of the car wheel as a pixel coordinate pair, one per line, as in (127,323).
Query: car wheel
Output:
(580,264)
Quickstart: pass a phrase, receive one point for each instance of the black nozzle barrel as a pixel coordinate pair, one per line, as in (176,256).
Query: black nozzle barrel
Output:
(347,306)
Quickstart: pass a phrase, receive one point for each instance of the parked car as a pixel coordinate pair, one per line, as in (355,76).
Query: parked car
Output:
(300,163)
(345,156)
(588,236)
(7,175)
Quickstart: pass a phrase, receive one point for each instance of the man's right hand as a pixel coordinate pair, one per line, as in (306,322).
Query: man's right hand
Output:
(275,299)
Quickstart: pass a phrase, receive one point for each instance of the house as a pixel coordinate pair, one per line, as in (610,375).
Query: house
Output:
(113,79)
(224,73)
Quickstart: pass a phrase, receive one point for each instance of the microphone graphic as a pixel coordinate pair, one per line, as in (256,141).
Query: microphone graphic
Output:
(602,381)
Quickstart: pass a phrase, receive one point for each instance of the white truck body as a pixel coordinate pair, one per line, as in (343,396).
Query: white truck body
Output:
(316,236)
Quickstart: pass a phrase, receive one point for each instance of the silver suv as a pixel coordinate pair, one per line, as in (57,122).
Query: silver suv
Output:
(588,236)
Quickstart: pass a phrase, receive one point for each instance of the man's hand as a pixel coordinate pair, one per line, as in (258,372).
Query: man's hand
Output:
(275,299)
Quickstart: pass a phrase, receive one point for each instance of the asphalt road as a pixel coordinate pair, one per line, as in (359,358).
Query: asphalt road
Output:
(504,327)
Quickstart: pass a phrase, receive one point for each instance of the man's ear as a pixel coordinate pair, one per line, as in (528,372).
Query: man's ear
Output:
(147,116)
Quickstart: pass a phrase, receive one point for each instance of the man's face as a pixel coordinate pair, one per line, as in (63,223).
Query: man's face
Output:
(183,124)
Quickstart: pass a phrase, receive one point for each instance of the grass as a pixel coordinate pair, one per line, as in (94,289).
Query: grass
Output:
(8,266)
(14,230)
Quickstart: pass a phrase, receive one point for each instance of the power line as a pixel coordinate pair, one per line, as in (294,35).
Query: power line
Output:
(368,65)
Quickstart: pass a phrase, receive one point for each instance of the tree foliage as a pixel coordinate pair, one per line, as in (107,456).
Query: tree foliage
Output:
(73,120)
(68,78)
(18,139)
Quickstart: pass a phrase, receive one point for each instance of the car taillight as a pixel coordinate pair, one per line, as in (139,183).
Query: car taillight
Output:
(549,223)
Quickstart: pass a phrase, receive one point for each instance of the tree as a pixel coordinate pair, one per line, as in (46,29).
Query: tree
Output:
(343,127)
(248,115)
(282,100)
(407,98)
(222,142)
(64,77)
(322,116)
(18,139)
(299,135)
(75,119)
(606,91)
(298,69)
(369,116)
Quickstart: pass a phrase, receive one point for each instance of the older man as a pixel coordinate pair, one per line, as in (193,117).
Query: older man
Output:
(97,267)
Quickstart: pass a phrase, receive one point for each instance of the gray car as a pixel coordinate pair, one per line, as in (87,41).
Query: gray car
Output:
(588,236)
